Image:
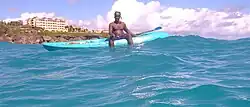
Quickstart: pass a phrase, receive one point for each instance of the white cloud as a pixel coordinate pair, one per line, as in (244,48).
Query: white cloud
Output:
(141,16)
(27,15)
(184,21)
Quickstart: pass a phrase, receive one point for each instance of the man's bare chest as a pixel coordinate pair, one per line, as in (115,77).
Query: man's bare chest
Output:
(118,26)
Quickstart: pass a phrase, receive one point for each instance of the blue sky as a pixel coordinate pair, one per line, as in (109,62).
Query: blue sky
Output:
(89,9)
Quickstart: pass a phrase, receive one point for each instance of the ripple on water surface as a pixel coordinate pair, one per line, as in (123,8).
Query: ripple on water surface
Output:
(173,72)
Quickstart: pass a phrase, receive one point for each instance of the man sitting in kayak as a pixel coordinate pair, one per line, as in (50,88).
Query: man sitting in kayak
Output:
(116,29)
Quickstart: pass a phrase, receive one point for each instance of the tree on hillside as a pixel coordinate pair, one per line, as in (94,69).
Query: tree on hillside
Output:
(79,29)
(67,27)
(70,28)
(15,23)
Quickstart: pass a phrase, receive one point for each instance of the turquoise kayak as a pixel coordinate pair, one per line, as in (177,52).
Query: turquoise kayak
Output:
(145,37)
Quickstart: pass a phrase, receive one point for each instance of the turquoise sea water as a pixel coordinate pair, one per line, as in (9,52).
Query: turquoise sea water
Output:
(185,71)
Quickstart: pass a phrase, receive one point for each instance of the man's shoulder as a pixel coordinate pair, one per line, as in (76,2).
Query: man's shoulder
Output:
(111,23)
(122,22)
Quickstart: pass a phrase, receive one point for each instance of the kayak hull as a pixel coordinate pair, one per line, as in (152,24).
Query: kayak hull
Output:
(94,43)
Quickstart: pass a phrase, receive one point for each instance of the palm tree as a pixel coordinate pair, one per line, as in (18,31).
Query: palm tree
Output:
(67,27)
(71,28)
(79,29)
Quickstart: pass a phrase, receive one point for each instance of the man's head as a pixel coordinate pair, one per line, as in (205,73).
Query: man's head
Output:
(117,15)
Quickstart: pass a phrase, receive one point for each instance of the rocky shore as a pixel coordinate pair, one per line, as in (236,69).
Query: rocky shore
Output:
(27,35)
(38,39)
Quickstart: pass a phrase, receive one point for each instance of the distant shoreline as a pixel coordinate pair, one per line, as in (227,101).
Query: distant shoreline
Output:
(24,34)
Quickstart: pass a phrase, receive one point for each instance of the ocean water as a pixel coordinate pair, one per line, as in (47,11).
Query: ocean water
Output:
(188,71)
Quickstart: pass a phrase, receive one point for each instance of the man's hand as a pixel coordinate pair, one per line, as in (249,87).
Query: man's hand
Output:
(112,35)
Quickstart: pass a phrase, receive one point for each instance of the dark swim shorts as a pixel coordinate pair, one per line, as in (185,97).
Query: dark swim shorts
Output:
(117,37)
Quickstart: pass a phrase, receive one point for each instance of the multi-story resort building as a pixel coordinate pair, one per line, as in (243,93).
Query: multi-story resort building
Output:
(50,24)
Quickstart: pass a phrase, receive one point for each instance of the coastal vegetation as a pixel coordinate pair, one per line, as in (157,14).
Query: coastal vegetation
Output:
(16,32)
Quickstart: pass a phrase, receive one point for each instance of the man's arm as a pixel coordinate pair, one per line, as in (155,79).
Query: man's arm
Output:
(111,30)
(127,30)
